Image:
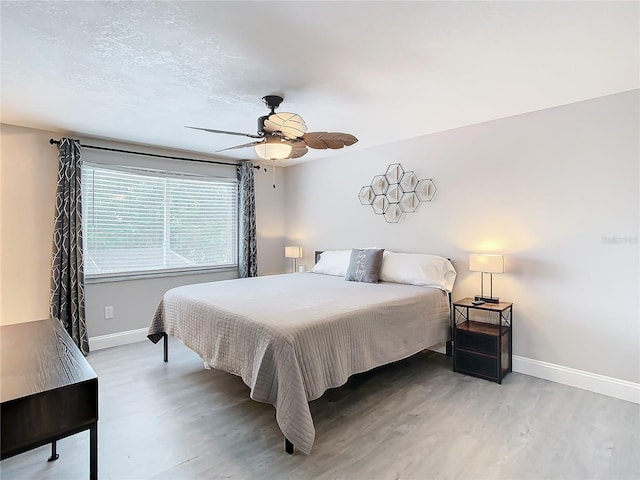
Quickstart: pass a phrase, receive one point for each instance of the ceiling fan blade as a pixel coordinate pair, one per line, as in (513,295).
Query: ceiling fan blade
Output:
(290,124)
(245,145)
(324,140)
(250,135)
(298,149)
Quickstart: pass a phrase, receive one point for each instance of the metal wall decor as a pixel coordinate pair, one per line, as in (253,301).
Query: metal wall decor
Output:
(396,192)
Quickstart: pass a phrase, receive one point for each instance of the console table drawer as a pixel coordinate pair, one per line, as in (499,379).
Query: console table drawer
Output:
(39,419)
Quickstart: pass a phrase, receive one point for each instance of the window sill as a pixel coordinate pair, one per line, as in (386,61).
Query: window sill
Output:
(121,277)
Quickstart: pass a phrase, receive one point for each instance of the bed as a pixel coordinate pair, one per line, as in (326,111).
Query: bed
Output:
(291,337)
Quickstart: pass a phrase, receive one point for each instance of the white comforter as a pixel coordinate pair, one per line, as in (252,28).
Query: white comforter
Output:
(291,337)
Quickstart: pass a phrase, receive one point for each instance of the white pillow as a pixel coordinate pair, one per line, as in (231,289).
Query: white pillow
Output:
(418,269)
(333,262)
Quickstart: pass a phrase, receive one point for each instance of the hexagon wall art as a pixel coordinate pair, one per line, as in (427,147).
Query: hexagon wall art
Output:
(396,192)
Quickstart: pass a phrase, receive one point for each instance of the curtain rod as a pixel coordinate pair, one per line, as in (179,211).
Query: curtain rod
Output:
(57,142)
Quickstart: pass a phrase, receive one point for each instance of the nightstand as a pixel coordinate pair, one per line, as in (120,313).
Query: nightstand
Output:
(482,349)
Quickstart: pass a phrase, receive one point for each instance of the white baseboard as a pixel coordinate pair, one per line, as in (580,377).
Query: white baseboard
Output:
(115,339)
(593,382)
(439,347)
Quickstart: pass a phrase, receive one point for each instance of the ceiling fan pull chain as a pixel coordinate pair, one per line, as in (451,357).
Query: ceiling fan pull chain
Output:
(273,172)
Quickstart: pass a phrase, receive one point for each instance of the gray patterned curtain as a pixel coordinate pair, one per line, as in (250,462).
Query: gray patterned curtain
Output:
(67,271)
(247,256)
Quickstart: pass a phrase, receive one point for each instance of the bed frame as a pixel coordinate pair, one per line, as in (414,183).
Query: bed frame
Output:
(288,446)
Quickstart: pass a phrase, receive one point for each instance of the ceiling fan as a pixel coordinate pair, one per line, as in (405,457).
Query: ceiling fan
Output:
(284,135)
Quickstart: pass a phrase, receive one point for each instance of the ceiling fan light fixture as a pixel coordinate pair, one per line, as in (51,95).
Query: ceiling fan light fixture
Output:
(273,149)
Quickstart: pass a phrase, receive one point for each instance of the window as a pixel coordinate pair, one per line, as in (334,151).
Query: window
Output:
(139,221)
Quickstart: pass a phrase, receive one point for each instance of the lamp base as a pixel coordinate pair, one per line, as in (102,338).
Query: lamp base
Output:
(487,299)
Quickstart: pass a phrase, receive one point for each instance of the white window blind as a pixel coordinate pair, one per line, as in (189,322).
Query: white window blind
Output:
(144,221)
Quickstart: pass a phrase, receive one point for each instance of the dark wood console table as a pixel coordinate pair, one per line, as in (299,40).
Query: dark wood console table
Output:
(49,390)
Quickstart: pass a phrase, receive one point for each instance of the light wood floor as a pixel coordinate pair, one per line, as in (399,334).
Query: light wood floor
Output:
(415,419)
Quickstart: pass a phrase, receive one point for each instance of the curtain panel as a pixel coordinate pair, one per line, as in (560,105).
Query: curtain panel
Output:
(67,271)
(247,248)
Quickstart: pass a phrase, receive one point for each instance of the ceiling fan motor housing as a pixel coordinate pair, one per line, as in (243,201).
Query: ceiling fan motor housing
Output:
(261,121)
(272,101)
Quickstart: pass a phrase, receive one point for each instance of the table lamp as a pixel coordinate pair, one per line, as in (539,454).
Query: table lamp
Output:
(293,252)
(485,263)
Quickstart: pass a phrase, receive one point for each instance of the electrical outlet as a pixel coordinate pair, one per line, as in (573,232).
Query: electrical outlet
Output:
(108,312)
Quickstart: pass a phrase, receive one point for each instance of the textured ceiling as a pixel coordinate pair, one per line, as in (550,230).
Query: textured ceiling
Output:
(383,71)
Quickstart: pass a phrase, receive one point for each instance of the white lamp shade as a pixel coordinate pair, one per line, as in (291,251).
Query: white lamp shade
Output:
(273,150)
(293,252)
(480,262)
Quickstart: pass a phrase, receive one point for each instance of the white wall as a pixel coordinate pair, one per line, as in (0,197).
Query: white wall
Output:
(27,205)
(134,301)
(27,200)
(270,221)
(547,189)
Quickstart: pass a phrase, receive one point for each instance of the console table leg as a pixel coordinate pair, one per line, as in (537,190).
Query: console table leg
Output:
(54,456)
(93,452)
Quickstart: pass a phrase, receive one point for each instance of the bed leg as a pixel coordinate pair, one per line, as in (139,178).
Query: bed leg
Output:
(449,351)
(165,338)
(288,446)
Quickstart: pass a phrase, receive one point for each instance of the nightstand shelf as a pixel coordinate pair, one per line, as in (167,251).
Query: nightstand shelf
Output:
(482,349)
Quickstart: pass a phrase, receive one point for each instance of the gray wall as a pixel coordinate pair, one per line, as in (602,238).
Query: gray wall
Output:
(134,301)
(27,197)
(552,190)
(556,191)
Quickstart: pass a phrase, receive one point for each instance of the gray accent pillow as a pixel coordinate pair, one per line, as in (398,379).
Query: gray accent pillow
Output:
(365,265)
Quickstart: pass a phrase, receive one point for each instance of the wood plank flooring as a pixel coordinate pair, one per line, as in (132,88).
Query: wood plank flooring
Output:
(415,419)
